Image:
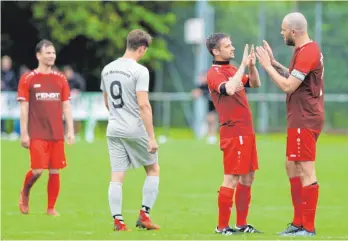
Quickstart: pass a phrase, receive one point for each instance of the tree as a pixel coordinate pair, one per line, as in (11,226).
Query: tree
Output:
(106,24)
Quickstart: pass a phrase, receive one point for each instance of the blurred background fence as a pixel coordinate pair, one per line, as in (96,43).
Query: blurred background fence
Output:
(88,35)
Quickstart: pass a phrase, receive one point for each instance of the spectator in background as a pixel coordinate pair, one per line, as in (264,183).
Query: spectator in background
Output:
(23,69)
(8,76)
(202,90)
(9,82)
(77,85)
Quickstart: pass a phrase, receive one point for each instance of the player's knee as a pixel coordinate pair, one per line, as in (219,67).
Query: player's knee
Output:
(308,169)
(117,176)
(153,170)
(37,171)
(230,181)
(292,169)
(53,171)
(247,179)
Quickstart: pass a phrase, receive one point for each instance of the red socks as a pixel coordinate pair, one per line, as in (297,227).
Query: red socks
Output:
(304,200)
(309,205)
(243,198)
(296,195)
(53,187)
(29,181)
(225,200)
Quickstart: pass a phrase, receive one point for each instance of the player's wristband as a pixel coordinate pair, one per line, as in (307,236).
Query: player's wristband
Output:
(222,89)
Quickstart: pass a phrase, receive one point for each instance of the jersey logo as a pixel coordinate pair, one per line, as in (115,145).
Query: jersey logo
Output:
(37,85)
(44,96)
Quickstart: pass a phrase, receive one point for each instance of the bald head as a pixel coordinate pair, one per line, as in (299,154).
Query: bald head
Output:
(296,21)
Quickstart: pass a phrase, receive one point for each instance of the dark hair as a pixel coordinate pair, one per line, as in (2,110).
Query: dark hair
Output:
(41,44)
(137,38)
(213,41)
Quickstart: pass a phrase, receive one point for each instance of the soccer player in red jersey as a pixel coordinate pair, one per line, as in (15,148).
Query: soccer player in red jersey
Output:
(237,138)
(44,98)
(303,84)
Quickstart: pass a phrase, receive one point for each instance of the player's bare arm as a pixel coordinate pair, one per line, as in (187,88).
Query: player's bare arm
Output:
(69,121)
(24,108)
(282,70)
(254,78)
(233,82)
(287,85)
(146,116)
(106,100)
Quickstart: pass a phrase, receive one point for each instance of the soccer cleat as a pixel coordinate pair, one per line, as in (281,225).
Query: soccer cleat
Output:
(119,225)
(225,231)
(300,233)
(304,233)
(144,222)
(247,229)
(290,229)
(24,203)
(52,212)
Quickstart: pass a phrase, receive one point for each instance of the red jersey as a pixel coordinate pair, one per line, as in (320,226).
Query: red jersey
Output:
(234,111)
(45,94)
(305,106)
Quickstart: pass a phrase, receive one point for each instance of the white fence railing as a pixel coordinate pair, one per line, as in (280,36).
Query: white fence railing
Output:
(90,107)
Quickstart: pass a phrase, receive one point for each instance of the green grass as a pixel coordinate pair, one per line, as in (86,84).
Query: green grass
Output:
(186,208)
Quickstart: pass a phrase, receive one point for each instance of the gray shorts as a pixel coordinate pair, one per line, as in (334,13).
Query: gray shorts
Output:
(125,152)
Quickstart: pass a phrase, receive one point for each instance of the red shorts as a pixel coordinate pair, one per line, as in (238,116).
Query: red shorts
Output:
(47,154)
(301,144)
(240,154)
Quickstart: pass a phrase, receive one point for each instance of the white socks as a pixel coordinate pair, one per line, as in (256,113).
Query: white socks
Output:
(115,198)
(150,191)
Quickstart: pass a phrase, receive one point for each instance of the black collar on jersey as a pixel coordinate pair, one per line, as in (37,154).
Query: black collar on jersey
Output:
(221,62)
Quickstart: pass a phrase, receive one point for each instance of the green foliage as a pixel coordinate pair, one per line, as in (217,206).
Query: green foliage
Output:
(107,23)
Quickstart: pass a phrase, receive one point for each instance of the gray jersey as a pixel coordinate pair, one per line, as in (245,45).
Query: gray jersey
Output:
(121,79)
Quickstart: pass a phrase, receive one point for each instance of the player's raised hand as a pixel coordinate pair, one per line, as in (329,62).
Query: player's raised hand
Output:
(25,140)
(70,138)
(246,57)
(263,57)
(152,145)
(252,56)
(269,51)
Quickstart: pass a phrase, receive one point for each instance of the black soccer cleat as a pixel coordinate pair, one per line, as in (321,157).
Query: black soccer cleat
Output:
(247,229)
(225,231)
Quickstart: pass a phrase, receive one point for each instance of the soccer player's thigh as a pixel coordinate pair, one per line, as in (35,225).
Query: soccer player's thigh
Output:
(301,144)
(254,161)
(237,152)
(137,150)
(39,154)
(57,155)
(119,159)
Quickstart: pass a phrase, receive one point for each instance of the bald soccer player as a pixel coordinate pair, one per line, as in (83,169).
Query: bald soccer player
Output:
(130,132)
(303,84)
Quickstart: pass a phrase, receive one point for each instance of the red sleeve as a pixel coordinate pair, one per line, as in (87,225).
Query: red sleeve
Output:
(23,89)
(215,79)
(245,79)
(66,90)
(307,59)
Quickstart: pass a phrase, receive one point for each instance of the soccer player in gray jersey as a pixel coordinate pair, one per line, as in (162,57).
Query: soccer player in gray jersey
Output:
(130,133)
